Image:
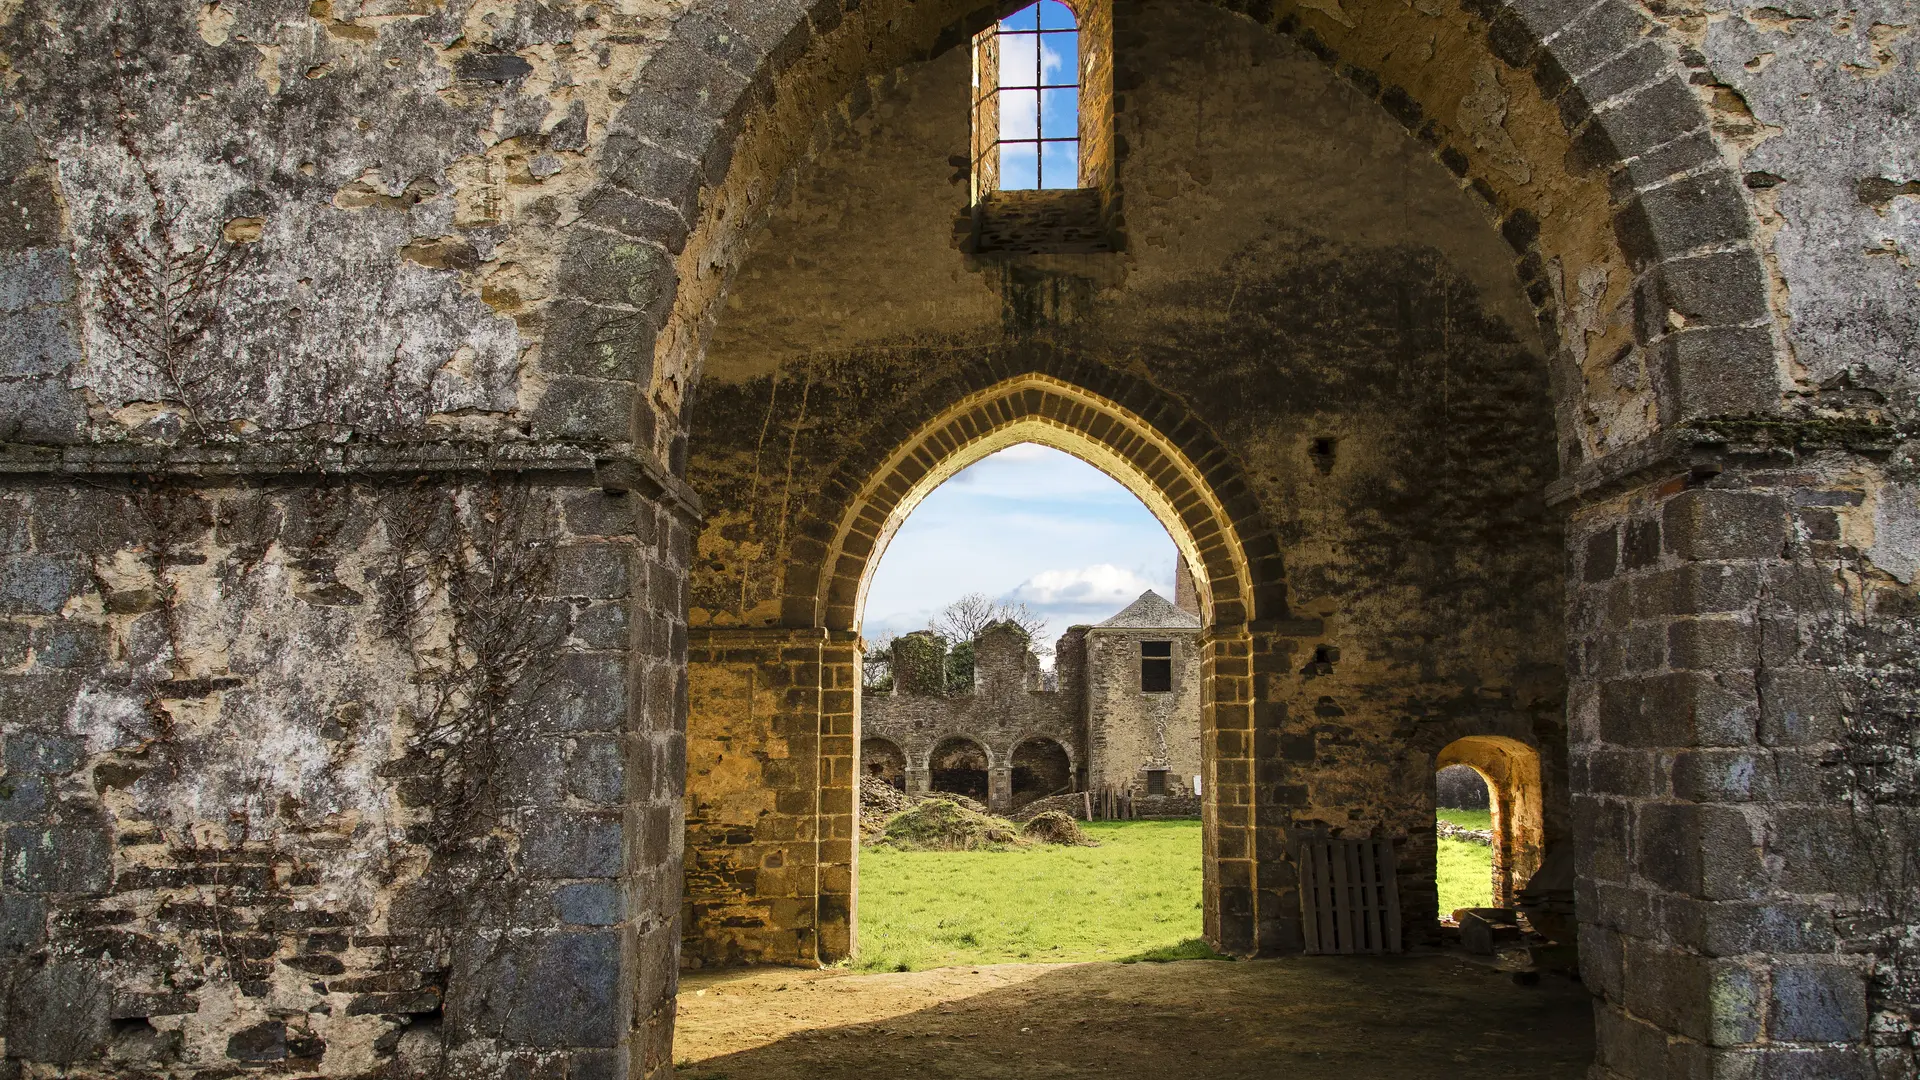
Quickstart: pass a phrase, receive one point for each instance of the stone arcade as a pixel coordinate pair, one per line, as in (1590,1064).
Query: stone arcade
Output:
(1122,718)
(446,442)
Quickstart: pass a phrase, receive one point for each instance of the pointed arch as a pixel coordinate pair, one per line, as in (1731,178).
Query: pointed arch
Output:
(1164,472)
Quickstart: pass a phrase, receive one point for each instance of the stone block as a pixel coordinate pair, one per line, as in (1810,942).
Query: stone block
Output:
(548,990)
(23,924)
(602,626)
(1682,217)
(1822,851)
(1603,555)
(607,268)
(1818,1000)
(42,410)
(592,903)
(1722,775)
(596,770)
(1599,33)
(1713,644)
(1718,370)
(571,845)
(54,755)
(1699,850)
(35,277)
(1714,524)
(584,692)
(597,341)
(1653,116)
(580,408)
(593,571)
(41,341)
(58,858)
(23,798)
(1678,709)
(57,1014)
(1726,288)
(1800,707)
(71,645)
(37,584)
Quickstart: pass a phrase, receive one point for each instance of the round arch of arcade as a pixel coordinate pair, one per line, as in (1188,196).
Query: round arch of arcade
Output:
(1611,163)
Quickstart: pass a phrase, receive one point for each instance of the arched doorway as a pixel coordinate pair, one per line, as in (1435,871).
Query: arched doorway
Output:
(960,766)
(1510,772)
(883,760)
(1041,767)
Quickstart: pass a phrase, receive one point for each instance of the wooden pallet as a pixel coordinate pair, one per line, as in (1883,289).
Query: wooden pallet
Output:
(1349,902)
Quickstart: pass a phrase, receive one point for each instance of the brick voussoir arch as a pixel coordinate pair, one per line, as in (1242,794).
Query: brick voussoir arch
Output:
(888,482)
(728,102)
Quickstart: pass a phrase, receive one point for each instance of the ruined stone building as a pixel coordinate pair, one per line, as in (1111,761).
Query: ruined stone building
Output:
(443,445)
(1123,715)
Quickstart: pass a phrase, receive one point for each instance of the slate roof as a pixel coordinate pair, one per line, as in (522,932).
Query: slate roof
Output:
(1152,612)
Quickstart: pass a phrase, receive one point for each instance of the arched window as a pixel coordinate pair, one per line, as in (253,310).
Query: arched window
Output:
(1027,82)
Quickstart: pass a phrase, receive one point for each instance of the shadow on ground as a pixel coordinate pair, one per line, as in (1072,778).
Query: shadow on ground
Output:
(1430,1017)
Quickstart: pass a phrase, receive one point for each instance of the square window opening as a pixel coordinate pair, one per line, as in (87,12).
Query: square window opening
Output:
(1156,667)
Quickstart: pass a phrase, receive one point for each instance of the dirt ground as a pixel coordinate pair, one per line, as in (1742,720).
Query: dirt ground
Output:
(1423,1017)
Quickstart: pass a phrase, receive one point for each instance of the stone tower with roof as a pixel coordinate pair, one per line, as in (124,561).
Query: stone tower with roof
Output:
(1142,701)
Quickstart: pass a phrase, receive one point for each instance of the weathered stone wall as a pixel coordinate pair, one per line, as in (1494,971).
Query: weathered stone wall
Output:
(1006,707)
(1130,731)
(772,838)
(1746,778)
(336,776)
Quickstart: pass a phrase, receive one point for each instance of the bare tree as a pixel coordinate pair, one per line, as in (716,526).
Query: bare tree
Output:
(964,618)
(877,664)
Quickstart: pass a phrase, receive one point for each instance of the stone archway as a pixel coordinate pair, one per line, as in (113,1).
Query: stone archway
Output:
(883,760)
(958,765)
(863,500)
(1511,770)
(1041,767)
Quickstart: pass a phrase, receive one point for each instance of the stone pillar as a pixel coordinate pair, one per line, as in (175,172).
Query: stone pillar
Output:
(772,734)
(1000,789)
(919,780)
(1227,808)
(1742,692)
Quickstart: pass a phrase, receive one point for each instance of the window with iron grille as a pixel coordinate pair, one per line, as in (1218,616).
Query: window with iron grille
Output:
(1156,667)
(1026,79)
(1156,781)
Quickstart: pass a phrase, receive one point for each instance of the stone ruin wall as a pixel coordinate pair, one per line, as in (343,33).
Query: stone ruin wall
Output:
(1006,707)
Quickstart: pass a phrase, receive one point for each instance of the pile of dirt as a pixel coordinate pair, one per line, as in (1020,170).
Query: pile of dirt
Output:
(944,825)
(880,801)
(1054,827)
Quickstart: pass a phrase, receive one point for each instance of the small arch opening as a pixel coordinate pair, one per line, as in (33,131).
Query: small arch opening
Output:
(958,766)
(1495,780)
(1040,768)
(883,760)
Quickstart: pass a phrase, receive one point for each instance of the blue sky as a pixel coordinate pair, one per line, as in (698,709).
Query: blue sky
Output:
(1027,524)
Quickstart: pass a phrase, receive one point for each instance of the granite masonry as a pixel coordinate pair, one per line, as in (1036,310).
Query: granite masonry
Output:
(443,444)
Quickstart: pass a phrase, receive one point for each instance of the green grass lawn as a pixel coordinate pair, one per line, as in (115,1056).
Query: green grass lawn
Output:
(1465,874)
(1466,819)
(1135,897)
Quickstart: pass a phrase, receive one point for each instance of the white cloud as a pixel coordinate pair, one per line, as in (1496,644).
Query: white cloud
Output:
(1087,586)
(1004,526)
